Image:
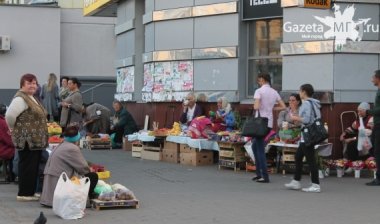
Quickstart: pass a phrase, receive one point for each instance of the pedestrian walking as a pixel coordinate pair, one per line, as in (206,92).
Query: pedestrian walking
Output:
(375,112)
(308,113)
(265,100)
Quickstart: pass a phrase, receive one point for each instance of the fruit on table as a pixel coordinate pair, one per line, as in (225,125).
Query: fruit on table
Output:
(54,128)
(55,139)
(176,130)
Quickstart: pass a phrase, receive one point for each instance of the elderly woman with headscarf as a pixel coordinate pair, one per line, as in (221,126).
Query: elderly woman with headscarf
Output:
(67,158)
(350,136)
(224,117)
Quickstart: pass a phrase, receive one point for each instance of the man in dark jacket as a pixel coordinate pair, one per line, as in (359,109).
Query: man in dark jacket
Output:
(190,109)
(123,123)
(375,112)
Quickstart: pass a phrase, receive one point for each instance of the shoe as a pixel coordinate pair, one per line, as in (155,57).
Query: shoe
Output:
(262,180)
(293,185)
(256,178)
(320,174)
(37,195)
(327,172)
(375,182)
(27,198)
(348,170)
(315,188)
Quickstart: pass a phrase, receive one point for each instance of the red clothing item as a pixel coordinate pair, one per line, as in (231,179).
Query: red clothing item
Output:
(7,149)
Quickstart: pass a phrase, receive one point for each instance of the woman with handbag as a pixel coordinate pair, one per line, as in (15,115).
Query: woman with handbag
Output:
(72,104)
(265,99)
(308,113)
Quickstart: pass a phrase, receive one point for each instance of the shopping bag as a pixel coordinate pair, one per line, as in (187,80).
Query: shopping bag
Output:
(315,132)
(364,143)
(256,127)
(69,201)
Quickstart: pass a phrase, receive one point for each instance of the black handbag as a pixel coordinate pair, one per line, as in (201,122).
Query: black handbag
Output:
(315,132)
(256,127)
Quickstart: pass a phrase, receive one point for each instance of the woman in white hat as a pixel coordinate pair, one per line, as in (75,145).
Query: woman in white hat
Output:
(350,136)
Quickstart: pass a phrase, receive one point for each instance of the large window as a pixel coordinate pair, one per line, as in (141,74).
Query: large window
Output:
(265,37)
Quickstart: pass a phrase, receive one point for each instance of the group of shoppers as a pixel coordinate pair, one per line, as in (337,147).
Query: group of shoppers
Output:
(26,119)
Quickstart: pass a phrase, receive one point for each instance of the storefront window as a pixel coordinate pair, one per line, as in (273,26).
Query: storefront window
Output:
(265,37)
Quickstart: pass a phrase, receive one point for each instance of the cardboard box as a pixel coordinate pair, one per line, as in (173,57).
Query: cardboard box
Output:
(170,152)
(196,158)
(136,150)
(151,155)
(184,148)
(127,146)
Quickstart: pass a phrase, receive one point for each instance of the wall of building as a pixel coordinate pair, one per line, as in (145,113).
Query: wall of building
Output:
(48,39)
(35,45)
(174,35)
(345,73)
(87,44)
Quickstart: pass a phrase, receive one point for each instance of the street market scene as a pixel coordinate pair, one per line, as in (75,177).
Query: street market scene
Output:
(193,111)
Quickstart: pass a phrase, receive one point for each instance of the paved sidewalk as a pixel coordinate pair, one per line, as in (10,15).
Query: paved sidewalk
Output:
(176,194)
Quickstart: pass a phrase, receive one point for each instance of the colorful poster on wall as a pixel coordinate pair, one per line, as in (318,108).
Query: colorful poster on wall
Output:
(125,80)
(148,77)
(169,81)
(123,97)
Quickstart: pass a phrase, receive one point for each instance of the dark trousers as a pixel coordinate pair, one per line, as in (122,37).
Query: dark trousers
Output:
(93,181)
(29,161)
(309,153)
(260,158)
(376,147)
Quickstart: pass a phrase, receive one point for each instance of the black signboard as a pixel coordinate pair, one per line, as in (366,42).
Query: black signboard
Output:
(261,9)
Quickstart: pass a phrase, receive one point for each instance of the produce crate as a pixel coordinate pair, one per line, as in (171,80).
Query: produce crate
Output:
(231,164)
(170,152)
(127,146)
(104,175)
(98,143)
(136,149)
(98,204)
(194,157)
(232,155)
(151,155)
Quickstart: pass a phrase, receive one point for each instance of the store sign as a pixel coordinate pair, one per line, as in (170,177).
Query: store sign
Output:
(92,6)
(321,4)
(261,9)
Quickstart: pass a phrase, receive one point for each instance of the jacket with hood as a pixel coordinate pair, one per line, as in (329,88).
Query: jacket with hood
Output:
(307,113)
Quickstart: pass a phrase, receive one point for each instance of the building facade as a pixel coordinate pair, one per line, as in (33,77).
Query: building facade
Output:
(215,48)
(51,38)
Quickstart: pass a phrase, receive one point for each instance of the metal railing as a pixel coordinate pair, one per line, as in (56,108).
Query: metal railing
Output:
(93,88)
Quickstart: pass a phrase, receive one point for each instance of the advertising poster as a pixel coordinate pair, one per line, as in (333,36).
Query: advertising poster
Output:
(167,81)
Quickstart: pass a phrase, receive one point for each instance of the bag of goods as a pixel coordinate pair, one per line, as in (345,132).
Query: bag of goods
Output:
(200,127)
(122,193)
(69,201)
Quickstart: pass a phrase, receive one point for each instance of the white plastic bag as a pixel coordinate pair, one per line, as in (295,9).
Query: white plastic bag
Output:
(364,143)
(69,201)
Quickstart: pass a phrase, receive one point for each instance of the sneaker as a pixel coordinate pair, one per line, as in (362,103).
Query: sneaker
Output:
(27,198)
(320,174)
(37,195)
(315,188)
(375,182)
(327,172)
(262,180)
(348,170)
(293,185)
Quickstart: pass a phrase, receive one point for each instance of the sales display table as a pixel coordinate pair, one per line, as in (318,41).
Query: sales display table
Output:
(286,152)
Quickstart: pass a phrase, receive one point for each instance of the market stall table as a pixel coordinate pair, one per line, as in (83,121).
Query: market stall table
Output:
(286,152)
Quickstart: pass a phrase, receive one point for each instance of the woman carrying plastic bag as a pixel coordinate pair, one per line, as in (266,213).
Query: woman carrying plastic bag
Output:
(70,197)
